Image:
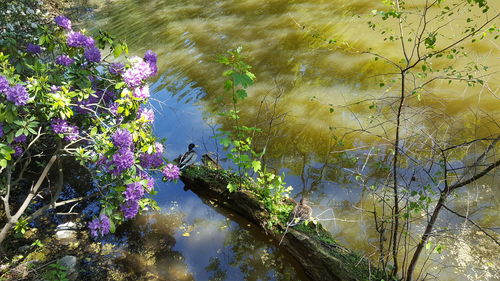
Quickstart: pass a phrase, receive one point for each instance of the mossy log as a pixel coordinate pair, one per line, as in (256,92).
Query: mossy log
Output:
(312,246)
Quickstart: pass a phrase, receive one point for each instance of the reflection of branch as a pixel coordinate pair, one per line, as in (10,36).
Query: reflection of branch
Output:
(429,55)
(475,177)
(54,205)
(475,224)
(466,143)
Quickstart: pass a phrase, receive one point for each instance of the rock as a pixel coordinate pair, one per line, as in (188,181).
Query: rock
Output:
(24,248)
(66,234)
(70,263)
(67,226)
(67,231)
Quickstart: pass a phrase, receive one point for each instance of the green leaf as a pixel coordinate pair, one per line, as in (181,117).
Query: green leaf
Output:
(231,187)
(119,85)
(241,94)
(3,163)
(112,226)
(256,165)
(117,50)
(225,142)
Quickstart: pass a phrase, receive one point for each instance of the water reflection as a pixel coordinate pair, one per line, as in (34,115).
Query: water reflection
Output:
(299,79)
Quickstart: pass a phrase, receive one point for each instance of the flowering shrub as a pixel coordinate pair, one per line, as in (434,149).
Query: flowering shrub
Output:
(61,97)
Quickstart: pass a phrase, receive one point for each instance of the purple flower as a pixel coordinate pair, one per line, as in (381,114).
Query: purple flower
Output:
(122,138)
(151,181)
(64,60)
(150,57)
(4,84)
(171,172)
(71,132)
(93,54)
(116,68)
(20,139)
(142,92)
(1,129)
(146,114)
(18,151)
(130,209)
(17,94)
(34,49)
(134,192)
(139,71)
(63,22)
(159,147)
(59,126)
(113,108)
(100,226)
(151,160)
(54,89)
(77,39)
(123,159)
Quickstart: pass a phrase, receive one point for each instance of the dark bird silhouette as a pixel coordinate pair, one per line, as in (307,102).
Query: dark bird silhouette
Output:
(210,162)
(189,157)
(301,212)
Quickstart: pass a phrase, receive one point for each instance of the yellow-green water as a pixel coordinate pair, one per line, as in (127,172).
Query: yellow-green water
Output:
(300,77)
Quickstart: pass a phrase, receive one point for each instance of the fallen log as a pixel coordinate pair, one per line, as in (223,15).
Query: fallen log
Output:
(314,248)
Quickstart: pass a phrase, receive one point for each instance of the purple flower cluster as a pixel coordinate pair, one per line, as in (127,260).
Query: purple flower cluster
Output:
(113,108)
(130,209)
(139,72)
(92,54)
(159,147)
(134,192)
(18,151)
(123,159)
(142,92)
(4,84)
(122,138)
(146,114)
(34,49)
(64,60)
(1,129)
(71,132)
(77,39)
(63,22)
(151,181)
(17,94)
(171,172)
(116,68)
(151,58)
(100,226)
(20,139)
(151,160)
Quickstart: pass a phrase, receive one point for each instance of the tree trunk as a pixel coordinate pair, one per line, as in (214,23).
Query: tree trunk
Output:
(425,237)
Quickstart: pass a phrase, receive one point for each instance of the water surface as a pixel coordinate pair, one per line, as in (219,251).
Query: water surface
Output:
(331,125)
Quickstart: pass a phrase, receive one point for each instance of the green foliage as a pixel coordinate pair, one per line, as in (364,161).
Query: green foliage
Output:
(88,101)
(56,272)
(21,227)
(269,188)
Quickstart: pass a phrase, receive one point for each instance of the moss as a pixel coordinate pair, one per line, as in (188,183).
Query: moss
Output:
(37,255)
(349,258)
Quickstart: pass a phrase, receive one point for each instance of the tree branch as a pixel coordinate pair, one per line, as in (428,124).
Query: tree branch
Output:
(475,224)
